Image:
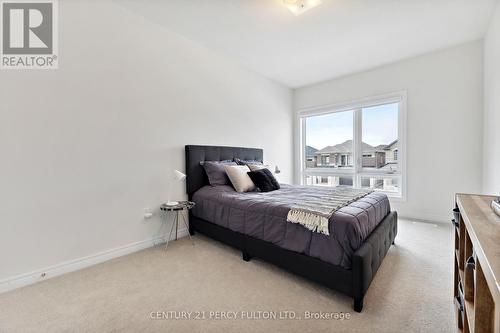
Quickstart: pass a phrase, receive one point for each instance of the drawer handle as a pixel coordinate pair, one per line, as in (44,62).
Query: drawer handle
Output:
(471,262)
(458,303)
(456,214)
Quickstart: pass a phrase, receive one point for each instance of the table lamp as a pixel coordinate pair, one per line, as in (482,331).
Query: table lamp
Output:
(178,176)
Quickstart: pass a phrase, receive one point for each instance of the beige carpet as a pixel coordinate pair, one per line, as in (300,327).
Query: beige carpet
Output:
(412,292)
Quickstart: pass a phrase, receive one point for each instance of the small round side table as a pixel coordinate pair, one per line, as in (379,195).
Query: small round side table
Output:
(178,210)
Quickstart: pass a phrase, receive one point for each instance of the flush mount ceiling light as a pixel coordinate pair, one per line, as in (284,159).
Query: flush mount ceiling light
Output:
(298,7)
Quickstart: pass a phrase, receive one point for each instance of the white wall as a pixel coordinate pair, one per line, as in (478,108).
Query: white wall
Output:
(491,139)
(444,122)
(86,147)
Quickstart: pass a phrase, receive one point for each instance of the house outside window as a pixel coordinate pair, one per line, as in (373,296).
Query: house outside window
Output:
(359,144)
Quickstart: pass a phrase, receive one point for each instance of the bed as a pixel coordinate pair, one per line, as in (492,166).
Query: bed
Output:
(255,223)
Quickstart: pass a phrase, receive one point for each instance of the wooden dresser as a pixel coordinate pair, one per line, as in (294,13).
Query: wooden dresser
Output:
(477,264)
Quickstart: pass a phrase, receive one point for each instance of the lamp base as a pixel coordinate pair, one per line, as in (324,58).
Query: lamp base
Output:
(172,203)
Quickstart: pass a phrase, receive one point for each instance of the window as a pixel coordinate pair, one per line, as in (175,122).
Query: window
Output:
(343,160)
(328,180)
(390,185)
(330,126)
(360,144)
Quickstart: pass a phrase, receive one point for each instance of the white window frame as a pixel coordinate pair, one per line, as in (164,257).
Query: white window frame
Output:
(357,172)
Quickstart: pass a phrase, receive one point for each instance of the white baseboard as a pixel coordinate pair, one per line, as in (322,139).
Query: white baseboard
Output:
(76,264)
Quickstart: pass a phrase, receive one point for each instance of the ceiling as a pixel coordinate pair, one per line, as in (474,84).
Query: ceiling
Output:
(337,38)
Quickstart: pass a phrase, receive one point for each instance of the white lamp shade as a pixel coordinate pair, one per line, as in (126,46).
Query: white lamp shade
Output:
(179,175)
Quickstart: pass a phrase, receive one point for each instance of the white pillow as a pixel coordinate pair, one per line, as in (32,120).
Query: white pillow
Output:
(239,178)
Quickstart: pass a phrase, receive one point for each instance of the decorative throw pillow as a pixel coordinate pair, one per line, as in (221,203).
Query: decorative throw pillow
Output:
(264,180)
(216,172)
(272,178)
(223,161)
(239,178)
(246,162)
(255,167)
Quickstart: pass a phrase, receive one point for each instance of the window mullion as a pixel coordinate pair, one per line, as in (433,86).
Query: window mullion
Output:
(358,147)
(303,144)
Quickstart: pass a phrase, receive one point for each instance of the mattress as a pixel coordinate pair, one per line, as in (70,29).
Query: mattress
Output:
(263,216)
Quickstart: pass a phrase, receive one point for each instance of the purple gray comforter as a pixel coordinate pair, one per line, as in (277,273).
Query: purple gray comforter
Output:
(263,216)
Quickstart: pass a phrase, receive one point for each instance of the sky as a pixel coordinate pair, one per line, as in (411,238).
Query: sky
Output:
(380,126)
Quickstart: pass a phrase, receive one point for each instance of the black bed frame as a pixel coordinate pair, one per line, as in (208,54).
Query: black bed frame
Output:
(365,261)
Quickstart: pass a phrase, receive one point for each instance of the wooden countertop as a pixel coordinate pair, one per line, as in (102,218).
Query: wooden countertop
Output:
(484,230)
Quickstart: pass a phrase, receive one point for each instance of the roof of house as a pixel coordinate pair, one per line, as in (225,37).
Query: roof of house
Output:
(390,145)
(344,147)
(386,147)
(310,151)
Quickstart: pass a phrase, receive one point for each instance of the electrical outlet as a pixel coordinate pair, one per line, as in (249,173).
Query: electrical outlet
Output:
(148,213)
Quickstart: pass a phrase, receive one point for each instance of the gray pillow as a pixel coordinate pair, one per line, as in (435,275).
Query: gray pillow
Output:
(247,162)
(216,172)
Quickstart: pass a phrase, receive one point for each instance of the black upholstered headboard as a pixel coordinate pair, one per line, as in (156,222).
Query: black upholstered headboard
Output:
(196,177)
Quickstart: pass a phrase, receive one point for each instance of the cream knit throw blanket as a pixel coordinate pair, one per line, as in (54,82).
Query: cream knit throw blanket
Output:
(315,209)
